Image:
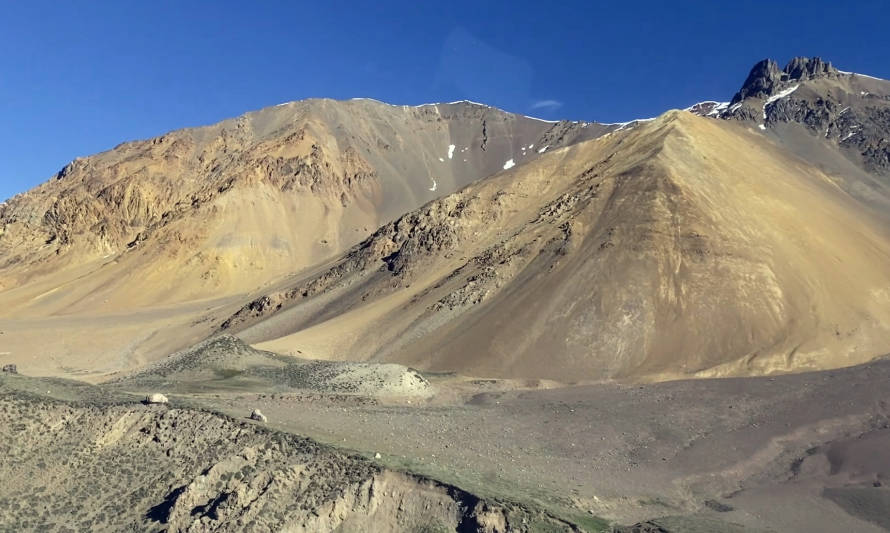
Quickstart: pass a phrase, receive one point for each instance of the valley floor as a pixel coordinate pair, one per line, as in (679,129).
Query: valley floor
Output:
(805,452)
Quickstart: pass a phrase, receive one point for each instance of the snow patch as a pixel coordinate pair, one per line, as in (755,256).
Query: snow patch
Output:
(531,146)
(435,185)
(781,94)
(761,126)
(451,151)
(867,76)
(542,150)
(721,107)
(541,119)
(631,124)
(509,164)
(455,102)
(442,160)
(467,102)
(718,108)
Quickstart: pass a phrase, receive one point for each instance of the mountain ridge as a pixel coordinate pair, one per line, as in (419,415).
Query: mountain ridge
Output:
(468,287)
(459,237)
(112,202)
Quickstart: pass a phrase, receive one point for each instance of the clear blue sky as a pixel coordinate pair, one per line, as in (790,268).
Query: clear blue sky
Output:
(80,77)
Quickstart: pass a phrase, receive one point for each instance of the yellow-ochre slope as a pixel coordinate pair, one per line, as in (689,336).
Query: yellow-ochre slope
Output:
(129,255)
(683,246)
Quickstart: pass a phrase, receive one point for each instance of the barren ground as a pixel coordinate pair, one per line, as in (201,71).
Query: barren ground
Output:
(805,452)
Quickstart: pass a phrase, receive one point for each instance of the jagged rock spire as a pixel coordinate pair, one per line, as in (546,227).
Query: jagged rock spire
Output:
(805,68)
(761,81)
(765,77)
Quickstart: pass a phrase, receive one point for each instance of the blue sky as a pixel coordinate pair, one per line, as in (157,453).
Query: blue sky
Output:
(80,77)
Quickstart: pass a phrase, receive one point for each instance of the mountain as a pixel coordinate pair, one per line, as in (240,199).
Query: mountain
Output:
(833,119)
(457,237)
(219,210)
(650,253)
(129,255)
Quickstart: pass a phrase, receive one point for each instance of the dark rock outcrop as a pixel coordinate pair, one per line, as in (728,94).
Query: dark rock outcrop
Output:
(761,81)
(765,79)
(853,115)
(805,68)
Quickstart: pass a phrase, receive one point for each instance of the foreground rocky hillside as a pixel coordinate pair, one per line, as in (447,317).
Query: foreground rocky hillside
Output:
(78,467)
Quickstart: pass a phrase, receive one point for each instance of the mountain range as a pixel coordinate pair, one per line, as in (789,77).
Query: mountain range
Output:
(745,237)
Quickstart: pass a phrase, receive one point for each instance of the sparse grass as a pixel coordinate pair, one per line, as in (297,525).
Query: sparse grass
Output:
(488,486)
(589,523)
(226,373)
(432,527)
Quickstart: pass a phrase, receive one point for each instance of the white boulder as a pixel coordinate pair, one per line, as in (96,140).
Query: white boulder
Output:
(156,398)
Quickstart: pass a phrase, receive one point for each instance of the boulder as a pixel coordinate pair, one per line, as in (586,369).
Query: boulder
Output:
(9,369)
(258,416)
(155,398)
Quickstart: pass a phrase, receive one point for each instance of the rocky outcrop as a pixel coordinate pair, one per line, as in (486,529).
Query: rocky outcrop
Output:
(844,108)
(807,68)
(765,78)
(762,81)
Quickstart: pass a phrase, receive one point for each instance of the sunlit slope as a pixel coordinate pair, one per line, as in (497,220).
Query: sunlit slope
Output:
(220,210)
(684,246)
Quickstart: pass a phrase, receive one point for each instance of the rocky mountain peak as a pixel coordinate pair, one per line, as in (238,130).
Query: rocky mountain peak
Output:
(761,81)
(805,68)
(765,77)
